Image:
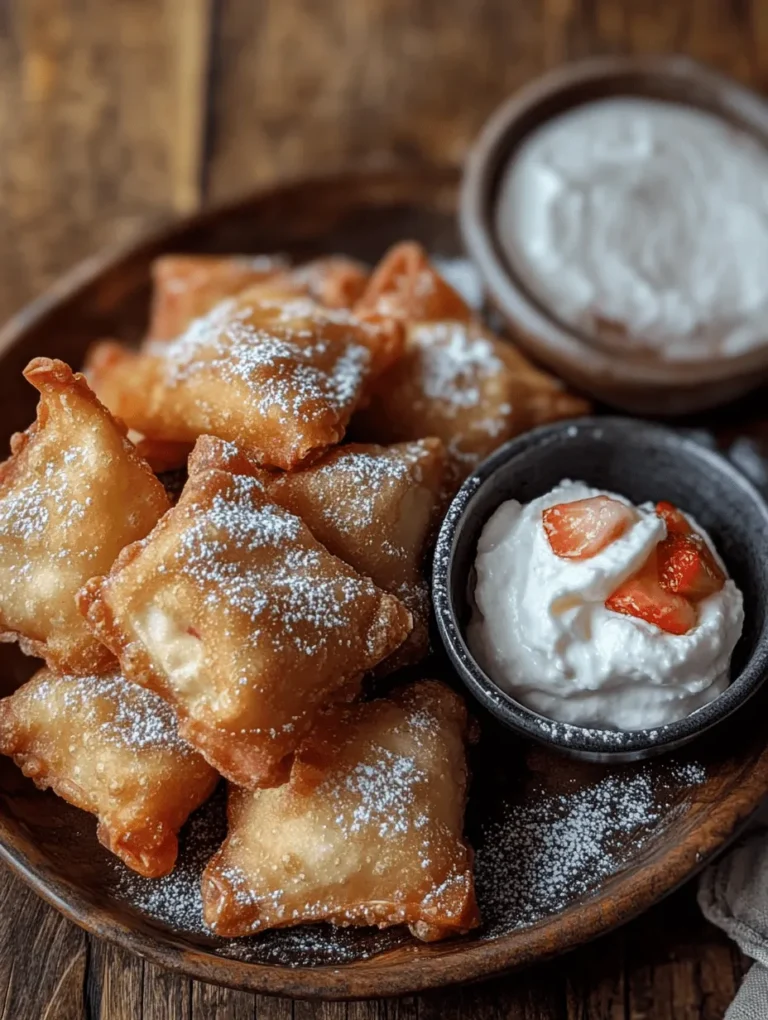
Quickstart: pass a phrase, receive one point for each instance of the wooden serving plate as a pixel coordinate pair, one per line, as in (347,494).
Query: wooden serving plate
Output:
(564,851)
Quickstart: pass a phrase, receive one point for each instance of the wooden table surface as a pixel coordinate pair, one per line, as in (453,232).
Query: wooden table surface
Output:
(115,113)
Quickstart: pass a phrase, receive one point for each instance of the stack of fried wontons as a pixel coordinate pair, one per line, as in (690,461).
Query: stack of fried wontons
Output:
(227,633)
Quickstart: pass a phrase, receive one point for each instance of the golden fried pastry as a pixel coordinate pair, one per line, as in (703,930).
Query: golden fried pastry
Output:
(456,380)
(213,454)
(234,613)
(367,831)
(406,285)
(111,748)
(459,382)
(374,507)
(72,495)
(335,280)
(161,454)
(279,376)
(188,286)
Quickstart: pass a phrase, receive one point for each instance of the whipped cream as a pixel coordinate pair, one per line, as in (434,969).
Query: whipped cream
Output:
(645,223)
(542,632)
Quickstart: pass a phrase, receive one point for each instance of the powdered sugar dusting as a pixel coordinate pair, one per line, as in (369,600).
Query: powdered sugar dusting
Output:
(292,584)
(383,792)
(453,361)
(29,508)
(538,851)
(537,857)
(464,385)
(291,366)
(359,478)
(114,711)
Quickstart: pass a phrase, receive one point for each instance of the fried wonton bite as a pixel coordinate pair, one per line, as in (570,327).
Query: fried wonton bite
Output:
(456,380)
(407,286)
(234,613)
(111,748)
(367,831)
(279,375)
(375,507)
(72,495)
(161,454)
(459,382)
(187,286)
(335,280)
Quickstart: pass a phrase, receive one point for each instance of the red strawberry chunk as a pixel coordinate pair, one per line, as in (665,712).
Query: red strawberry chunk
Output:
(687,567)
(578,530)
(677,522)
(642,596)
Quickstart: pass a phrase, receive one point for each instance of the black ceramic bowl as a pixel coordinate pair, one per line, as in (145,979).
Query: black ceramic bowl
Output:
(643,462)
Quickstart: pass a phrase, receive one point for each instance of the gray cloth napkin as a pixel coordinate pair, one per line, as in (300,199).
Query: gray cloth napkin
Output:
(733,894)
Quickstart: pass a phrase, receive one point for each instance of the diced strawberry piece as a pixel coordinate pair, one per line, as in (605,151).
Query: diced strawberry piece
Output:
(677,523)
(642,596)
(578,530)
(687,567)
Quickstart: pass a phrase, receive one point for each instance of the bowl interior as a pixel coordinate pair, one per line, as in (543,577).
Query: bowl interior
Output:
(645,463)
(631,380)
(675,80)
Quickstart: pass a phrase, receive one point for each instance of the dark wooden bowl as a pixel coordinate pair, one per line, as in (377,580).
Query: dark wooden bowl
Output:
(565,850)
(631,381)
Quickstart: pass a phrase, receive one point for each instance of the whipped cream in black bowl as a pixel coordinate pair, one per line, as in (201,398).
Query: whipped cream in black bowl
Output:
(583,647)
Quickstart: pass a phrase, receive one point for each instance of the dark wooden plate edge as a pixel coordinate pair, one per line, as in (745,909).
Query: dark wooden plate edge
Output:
(382,977)
(379,975)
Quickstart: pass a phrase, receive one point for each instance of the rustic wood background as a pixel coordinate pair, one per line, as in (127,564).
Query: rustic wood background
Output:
(115,113)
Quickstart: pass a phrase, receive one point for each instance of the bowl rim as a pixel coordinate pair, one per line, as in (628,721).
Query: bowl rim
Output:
(538,328)
(592,743)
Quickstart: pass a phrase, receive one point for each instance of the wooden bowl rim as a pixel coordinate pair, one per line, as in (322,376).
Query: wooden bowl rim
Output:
(631,893)
(553,341)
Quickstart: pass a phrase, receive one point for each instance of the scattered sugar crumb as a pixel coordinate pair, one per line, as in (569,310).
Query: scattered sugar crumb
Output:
(175,900)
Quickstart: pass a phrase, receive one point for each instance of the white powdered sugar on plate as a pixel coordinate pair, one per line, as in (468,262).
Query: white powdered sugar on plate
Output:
(538,857)
(175,900)
(533,859)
